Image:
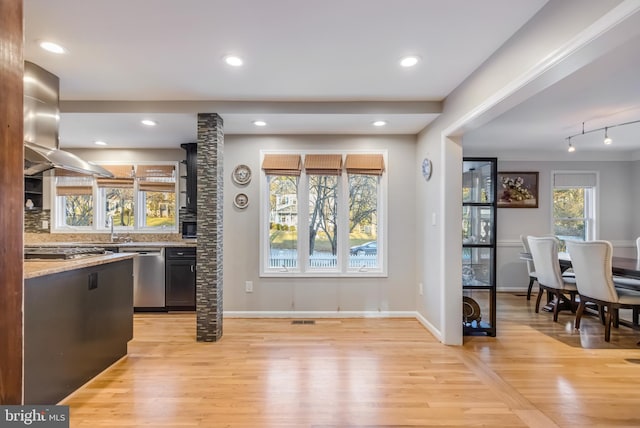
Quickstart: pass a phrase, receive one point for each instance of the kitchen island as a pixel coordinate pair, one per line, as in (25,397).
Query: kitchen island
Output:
(78,319)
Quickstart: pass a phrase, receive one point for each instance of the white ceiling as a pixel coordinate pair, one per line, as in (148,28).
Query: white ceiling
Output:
(603,93)
(303,51)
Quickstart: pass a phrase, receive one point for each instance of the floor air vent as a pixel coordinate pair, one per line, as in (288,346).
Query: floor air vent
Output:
(303,322)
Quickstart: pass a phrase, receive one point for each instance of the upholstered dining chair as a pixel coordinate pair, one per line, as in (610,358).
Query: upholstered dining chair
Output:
(591,263)
(544,250)
(531,268)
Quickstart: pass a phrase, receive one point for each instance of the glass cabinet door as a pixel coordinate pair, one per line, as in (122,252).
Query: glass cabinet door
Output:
(478,183)
(477,225)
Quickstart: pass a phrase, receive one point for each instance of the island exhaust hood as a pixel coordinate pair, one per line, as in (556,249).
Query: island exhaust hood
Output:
(41,119)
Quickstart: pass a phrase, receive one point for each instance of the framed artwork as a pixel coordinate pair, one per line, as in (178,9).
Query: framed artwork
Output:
(517,189)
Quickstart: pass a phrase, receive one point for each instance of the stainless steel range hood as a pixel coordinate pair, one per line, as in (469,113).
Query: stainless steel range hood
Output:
(41,120)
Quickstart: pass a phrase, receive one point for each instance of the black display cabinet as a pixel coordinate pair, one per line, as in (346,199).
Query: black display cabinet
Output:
(479,208)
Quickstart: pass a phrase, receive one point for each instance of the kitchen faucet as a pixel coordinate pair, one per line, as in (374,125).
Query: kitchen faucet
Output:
(111,226)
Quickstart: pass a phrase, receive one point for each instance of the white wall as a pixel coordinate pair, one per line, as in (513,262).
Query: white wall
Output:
(635,197)
(396,293)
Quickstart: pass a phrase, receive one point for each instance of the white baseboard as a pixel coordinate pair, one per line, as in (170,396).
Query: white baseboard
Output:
(515,289)
(432,329)
(320,314)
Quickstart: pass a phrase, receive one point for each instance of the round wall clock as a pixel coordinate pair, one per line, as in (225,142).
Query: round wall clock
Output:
(241,174)
(426,169)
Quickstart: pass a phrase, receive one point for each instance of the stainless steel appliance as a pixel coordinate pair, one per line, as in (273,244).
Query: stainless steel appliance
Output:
(41,120)
(148,278)
(189,229)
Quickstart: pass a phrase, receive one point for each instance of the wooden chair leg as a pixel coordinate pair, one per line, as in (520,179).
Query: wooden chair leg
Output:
(607,325)
(616,317)
(579,313)
(636,316)
(556,307)
(540,293)
(573,304)
(602,314)
(531,281)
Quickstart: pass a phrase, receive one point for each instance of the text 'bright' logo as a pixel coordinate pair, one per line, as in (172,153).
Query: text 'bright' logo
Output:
(36,416)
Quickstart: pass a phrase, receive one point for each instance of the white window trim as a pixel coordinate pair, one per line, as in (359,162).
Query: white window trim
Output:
(342,270)
(57,211)
(595,224)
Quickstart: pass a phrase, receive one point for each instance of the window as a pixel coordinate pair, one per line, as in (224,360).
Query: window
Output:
(283,221)
(74,201)
(574,205)
(139,197)
(157,196)
(323,218)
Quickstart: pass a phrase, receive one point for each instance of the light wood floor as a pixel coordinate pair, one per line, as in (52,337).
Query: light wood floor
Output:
(368,373)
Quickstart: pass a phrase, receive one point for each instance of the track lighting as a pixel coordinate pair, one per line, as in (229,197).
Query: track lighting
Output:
(571,149)
(607,139)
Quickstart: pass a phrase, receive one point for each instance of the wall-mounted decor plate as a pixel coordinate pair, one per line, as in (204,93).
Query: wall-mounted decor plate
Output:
(470,310)
(241,201)
(241,174)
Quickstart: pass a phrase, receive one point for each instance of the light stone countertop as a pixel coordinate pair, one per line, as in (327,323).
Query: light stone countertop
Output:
(116,244)
(33,269)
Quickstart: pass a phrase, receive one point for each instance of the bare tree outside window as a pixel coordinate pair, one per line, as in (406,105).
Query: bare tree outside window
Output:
(363,220)
(119,205)
(78,210)
(323,214)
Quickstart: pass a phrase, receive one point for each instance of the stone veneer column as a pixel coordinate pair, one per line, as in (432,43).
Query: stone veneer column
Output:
(209,250)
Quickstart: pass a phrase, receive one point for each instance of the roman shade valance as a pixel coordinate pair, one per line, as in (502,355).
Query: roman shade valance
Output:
(155,171)
(73,190)
(123,176)
(282,164)
(58,172)
(367,164)
(574,179)
(323,164)
(157,186)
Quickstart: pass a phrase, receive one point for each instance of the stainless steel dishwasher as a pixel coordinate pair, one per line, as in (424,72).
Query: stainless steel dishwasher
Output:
(148,278)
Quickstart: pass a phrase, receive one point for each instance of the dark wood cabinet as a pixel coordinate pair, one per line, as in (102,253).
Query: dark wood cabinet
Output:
(33,191)
(180,278)
(191,177)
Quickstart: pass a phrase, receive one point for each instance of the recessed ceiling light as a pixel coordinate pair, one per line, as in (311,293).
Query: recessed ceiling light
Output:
(52,47)
(379,123)
(259,123)
(149,122)
(100,143)
(409,61)
(233,60)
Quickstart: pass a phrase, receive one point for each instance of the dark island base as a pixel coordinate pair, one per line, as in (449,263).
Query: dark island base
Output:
(76,324)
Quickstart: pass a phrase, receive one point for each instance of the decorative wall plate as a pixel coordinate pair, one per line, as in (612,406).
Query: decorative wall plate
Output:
(241,201)
(470,310)
(241,174)
(426,169)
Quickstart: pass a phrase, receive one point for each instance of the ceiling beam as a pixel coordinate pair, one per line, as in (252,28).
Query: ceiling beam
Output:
(254,107)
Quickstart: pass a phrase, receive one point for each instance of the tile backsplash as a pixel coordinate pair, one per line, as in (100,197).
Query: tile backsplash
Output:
(35,219)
